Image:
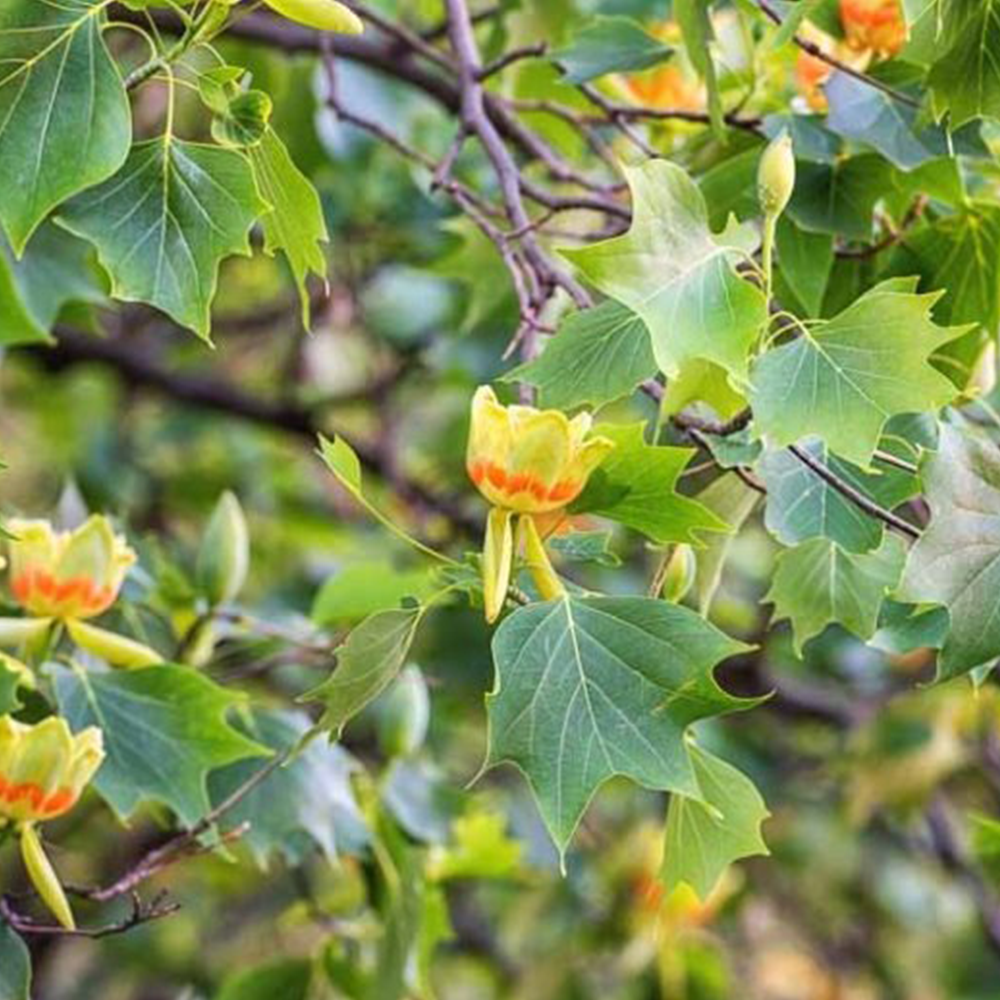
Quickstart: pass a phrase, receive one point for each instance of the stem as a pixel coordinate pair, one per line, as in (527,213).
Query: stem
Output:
(767,254)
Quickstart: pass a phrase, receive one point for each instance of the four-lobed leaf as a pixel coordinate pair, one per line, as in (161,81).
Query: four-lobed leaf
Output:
(817,583)
(956,561)
(591,687)
(843,379)
(704,836)
(635,485)
(65,123)
(163,224)
(676,274)
(165,728)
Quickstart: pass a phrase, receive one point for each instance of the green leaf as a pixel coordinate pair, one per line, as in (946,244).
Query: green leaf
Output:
(635,485)
(609,45)
(956,562)
(702,382)
(65,123)
(363,588)
(818,583)
(965,79)
(693,17)
(165,221)
(959,253)
(839,198)
(164,730)
(303,805)
(733,501)
(15,966)
(704,837)
(801,506)
(675,274)
(10,681)
(288,978)
(844,378)
(587,688)
(56,269)
(585,546)
(805,261)
(599,355)
(295,223)
(245,120)
(903,628)
(367,662)
(865,114)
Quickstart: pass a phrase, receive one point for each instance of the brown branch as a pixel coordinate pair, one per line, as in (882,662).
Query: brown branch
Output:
(136,368)
(856,497)
(512,56)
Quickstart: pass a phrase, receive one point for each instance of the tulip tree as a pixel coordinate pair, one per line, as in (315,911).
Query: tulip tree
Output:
(500,500)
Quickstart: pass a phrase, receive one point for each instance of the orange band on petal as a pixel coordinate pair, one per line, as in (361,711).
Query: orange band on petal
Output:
(42,805)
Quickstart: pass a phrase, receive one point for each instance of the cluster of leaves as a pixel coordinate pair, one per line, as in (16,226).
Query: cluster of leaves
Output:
(840,397)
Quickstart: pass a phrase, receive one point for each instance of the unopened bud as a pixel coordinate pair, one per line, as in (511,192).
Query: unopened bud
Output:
(679,576)
(776,175)
(224,558)
(404,714)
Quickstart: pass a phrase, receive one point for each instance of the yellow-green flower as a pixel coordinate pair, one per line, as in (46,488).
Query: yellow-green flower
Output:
(44,767)
(67,574)
(529,462)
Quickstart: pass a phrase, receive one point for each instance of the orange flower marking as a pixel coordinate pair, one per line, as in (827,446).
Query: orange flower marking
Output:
(45,806)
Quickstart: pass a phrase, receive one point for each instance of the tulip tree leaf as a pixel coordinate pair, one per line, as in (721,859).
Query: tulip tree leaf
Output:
(635,485)
(599,355)
(704,837)
(818,583)
(164,730)
(587,688)
(303,805)
(65,123)
(843,379)
(367,662)
(56,269)
(15,966)
(965,79)
(609,45)
(295,223)
(956,562)
(801,506)
(676,275)
(165,221)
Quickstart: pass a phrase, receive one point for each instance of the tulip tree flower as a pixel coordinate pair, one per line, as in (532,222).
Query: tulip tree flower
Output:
(67,577)
(876,26)
(526,462)
(43,771)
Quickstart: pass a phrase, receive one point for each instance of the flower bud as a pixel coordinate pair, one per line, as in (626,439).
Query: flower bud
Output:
(224,557)
(327,15)
(776,175)
(403,714)
(679,576)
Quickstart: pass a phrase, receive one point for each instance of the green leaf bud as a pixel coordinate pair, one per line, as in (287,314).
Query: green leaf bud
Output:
(404,714)
(776,175)
(224,557)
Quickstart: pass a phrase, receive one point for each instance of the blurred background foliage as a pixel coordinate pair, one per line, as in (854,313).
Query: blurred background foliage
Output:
(412,876)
